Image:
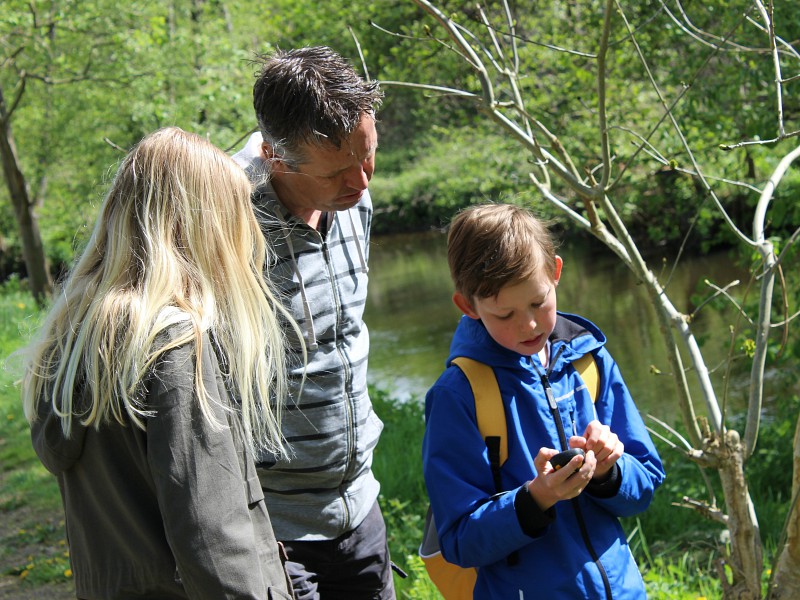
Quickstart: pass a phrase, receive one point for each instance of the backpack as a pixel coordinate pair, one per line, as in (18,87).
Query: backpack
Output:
(452,581)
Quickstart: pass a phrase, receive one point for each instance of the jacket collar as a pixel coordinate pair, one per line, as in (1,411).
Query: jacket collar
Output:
(573,336)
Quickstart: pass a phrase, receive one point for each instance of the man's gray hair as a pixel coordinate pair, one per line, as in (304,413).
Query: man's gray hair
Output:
(310,96)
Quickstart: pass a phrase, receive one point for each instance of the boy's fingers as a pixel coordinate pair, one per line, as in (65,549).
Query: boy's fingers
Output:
(577,441)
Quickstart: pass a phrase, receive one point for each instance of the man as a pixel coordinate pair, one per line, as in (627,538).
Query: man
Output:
(310,165)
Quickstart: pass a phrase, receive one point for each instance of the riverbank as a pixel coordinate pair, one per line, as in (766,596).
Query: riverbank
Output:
(677,551)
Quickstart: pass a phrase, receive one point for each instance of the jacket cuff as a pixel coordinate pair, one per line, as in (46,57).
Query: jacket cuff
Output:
(607,488)
(532,519)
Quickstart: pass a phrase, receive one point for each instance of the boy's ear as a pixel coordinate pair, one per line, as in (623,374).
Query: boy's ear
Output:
(464,305)
(559,265)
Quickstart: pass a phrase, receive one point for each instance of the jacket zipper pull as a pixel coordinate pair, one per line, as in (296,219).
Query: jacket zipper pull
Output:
(548,392)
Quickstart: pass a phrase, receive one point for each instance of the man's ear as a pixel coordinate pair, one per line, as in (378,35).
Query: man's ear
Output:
(277,165)
(268,152)
(464,305)
(559,265)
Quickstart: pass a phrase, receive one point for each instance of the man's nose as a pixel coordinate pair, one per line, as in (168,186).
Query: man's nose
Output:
(359,175)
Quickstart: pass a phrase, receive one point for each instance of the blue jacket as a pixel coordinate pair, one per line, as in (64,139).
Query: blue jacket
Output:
(480,527)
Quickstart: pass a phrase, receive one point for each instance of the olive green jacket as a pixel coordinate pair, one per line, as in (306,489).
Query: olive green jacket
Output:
(175,511)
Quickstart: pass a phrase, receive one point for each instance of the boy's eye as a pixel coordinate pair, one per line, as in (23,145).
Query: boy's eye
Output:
(504,317)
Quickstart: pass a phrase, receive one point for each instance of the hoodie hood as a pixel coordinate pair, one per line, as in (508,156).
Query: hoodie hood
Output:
(56,451)
(573,336)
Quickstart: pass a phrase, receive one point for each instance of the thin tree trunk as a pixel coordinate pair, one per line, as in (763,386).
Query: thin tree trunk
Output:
(745,560)
(786,579)
(41,284)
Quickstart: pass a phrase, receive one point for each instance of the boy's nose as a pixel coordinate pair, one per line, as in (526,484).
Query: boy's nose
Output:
(530,324)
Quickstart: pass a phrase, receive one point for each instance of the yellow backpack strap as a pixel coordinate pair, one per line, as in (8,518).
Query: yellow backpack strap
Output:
(587,369)
(488,404)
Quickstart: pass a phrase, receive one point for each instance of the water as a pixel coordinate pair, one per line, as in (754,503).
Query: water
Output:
(412,318)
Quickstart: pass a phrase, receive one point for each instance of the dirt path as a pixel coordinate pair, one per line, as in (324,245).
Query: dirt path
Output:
(12,589)
(17,549)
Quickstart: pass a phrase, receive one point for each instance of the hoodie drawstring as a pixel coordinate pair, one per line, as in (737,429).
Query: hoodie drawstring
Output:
(308,319)
(357,241)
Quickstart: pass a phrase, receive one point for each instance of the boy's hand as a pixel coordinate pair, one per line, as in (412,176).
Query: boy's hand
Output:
(604,443)
(551,486)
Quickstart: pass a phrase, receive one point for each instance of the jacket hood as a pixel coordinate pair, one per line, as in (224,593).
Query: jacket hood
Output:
(573,336)
(57,452)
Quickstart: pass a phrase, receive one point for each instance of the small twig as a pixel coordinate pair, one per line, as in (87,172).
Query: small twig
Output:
(114,146)
(671,429)
(241,139)
(360,53)
(709,511)
(729,147)
(721,292)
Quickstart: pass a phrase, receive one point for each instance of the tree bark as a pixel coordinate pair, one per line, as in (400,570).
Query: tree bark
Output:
(40,282)
(745,560)
(786,579)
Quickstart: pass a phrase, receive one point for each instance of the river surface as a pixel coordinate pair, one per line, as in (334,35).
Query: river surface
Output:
(411,317)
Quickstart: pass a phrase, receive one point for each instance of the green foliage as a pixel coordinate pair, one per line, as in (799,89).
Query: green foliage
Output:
(425,185)
(25,480)
(668,529)
(114,71)
(769,470)
(49,561)
(682,578)
(34,549)
(94,78)
(676,548)
(398,466)
(711,96)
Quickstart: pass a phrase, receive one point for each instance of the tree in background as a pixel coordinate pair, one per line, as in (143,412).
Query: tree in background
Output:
(631,76)
(29,53)
(80,83)
(84,81)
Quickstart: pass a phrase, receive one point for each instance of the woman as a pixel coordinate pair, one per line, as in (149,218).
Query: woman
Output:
(148,389)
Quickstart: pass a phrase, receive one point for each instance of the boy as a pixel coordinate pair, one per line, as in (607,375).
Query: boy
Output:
(542,533)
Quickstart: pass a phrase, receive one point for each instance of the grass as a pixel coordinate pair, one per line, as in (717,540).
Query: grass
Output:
(677,552)
(33,549)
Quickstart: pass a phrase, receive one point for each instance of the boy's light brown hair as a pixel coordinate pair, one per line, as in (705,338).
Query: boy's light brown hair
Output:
(491,246)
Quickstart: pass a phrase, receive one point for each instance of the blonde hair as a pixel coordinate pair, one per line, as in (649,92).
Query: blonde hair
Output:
(490,246)
(176,242)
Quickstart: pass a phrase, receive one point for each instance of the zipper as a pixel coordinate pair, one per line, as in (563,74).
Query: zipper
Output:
(564,446)
(350,417)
